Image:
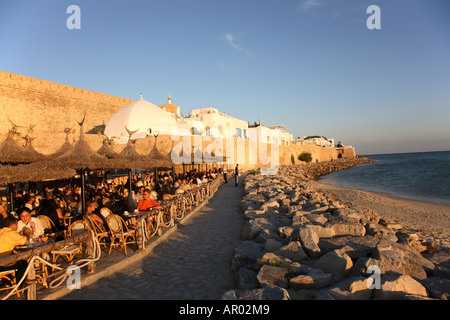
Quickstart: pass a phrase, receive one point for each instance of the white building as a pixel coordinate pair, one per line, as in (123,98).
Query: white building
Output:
(211,122)
(141,117)
(315,141)
(273,134)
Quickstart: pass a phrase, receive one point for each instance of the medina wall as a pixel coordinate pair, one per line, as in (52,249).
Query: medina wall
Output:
(49,108)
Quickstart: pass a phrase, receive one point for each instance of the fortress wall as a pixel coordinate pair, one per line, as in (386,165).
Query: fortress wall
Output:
(50,107)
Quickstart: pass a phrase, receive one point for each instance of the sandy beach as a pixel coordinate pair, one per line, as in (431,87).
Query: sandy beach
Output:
(430,221)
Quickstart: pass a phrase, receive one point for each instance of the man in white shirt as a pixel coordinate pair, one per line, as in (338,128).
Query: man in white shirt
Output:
(32,223)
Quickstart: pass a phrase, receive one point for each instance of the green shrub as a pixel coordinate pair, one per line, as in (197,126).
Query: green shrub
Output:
(305,156)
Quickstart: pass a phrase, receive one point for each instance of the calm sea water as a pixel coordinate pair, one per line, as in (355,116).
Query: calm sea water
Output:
(422,176)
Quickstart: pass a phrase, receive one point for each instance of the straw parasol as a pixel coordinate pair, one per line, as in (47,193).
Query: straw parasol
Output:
(67,146)
(155,156)
(32,172)
(81,156)
(107,150)
(12,152)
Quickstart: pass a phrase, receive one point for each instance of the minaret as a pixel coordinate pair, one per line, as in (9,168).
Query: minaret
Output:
(169,100)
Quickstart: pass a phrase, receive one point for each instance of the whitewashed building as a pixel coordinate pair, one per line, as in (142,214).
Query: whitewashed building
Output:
(141,117)
(273,134)
(315,141)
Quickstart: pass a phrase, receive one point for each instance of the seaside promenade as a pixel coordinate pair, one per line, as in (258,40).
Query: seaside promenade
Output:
(193,262)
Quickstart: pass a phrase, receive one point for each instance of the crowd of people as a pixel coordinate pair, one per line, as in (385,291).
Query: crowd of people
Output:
(22,226)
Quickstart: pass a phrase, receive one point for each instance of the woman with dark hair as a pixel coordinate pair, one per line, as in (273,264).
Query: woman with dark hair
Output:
(50,208)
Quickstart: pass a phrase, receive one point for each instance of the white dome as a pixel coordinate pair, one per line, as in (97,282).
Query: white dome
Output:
(140,115)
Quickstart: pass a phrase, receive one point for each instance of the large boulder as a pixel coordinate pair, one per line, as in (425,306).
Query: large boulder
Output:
(399,258)
(293,251)
(272,276)
(335,262)
(309,240)
(354,288)
(309,282)
(395,287)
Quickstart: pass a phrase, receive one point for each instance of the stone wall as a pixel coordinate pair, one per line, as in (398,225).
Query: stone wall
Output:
(50,107)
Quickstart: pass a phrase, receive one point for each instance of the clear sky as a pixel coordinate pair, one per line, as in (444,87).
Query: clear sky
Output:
(311,65)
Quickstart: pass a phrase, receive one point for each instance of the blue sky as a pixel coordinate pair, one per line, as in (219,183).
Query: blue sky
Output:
(310,65)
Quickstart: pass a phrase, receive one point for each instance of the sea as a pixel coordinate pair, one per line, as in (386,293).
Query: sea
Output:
(421,176)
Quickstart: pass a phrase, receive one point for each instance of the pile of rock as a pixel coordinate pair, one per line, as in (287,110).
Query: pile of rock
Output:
(311,171)
(299,243)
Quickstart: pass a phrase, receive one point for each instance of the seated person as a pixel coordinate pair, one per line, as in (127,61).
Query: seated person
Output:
(9,239)
(50,208)
(185,186)
(91,208)
(31,203)
(147,203)
(131,201)
(28,222)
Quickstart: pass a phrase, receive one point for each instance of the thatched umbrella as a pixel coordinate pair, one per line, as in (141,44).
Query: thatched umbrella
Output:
(129,157)
(107,150)
(12,152)
(80,157)
(32,172)
(158,159)
(67,146)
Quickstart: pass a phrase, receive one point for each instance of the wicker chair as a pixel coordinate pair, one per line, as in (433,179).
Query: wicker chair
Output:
(9,275)
(70,251)
(105,212)
(100,233)
(47,224)
(119,231)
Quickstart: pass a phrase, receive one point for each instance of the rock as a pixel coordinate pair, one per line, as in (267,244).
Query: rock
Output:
(401,259)
(273,259)
(357,246)
(272,276)
(380,232)
(285,231)
(354,288)
(309,240)
(245,255)
(270,205)
(293,251)
(272,245)
(316,218)
(337,263)
(322,232)
(439,288)
(309,282)
(250,231)
(245,279)
(266,293)
(395,287)
(348,229)
(410,239)
(299,219)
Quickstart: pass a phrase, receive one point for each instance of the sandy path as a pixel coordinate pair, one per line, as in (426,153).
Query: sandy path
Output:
(429,220)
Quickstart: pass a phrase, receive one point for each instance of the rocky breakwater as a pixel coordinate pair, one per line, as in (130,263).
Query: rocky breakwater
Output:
(311,171)
(299,243)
